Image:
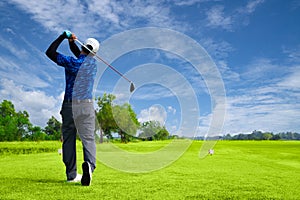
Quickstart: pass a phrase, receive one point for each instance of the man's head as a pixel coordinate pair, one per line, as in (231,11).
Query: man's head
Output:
(92,44)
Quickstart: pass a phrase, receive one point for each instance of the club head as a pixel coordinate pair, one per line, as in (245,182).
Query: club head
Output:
(131,87)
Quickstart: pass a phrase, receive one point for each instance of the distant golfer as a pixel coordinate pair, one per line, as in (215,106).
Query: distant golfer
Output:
(211,152)
(77,110)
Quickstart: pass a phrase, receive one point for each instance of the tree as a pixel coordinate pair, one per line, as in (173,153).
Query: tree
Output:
(227,137)
(23,124)
(116,118)
(276,137)
(126,121)
(267,136)
(162,134)
(53,129)
(13,125)
(104,115)
(37,134)
(256,135)
(149,129)
(152,130)
(8,126)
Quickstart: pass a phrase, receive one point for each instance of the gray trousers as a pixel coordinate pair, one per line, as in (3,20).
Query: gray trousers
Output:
(78,117)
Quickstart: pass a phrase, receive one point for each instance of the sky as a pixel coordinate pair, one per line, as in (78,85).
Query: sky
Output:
(200,66)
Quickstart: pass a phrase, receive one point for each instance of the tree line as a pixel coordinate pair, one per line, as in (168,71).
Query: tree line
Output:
(256,135)
(112,119)
(16,126)
(119,119)
(259,135)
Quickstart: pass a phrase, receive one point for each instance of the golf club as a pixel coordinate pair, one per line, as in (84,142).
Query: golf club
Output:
(114,69)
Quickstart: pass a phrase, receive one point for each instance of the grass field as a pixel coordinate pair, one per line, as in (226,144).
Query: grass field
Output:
(237,170)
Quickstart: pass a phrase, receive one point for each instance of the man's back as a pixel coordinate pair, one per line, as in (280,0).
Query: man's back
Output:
(84,82)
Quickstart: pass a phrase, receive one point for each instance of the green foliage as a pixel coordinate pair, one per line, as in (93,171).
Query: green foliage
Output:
(152,130)
(163,134)
(259,135)
(149,129)
(36,134)
(127,123)
(120,119)
(104,114)
(14,126)
(53,129)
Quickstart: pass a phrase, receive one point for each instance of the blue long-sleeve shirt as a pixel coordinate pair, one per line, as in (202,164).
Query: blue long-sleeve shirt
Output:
(80,72)
(80,75)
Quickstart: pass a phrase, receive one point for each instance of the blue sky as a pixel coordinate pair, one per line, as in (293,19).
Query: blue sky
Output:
(254,44)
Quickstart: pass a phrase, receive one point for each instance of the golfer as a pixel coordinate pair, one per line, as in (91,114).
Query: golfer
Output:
(77,110)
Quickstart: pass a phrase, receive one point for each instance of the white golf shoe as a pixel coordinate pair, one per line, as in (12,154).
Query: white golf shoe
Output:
(87,174)
(76,179)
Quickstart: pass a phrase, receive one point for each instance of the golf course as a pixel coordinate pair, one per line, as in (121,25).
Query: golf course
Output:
(236,170)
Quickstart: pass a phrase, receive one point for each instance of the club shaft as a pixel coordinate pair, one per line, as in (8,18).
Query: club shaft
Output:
(99,58)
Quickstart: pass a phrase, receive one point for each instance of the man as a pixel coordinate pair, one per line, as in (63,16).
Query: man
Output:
(77,110)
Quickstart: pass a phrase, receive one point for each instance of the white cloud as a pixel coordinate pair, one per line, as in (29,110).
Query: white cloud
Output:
(187,2)
(217,49)
(227,73)
(220,51)
(90,17)
(261,104)
(172,110)
(153,113)
(106,9)
(58,15)
(22,61)
(149,13)
(262,71)
(10,69)
(292,81)
(251,6)
(39,106)
(9,30)
(270,106)
(293,54)
(217,19)
(260,112)
(204,123)
(13,49)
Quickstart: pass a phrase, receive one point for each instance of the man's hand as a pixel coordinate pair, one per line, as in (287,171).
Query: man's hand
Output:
(72,38)
(67,34)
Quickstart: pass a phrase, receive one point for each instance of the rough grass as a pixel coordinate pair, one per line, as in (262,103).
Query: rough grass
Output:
(237,170)
(7,148)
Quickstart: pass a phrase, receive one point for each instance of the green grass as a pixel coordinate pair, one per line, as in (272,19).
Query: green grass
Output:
(7,148)
(237,170)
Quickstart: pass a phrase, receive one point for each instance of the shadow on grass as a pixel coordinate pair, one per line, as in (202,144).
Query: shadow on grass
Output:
(30,180)
(52,181)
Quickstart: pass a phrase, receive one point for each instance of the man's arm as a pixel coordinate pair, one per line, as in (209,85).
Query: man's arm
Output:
(51,51)
(74,48)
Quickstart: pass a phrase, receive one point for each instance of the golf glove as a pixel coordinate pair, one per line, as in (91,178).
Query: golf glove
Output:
(67,34)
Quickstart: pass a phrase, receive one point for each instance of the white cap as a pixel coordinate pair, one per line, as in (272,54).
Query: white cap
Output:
(94,44)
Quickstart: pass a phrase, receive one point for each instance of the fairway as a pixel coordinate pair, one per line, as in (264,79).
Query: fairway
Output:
(237,170)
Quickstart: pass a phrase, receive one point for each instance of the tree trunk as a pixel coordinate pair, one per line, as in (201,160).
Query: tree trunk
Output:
(101,136)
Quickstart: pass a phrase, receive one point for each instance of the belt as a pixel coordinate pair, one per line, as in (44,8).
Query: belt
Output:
(78,101)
